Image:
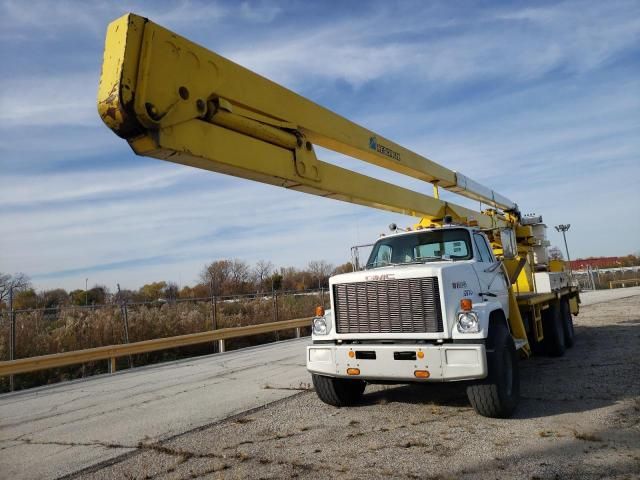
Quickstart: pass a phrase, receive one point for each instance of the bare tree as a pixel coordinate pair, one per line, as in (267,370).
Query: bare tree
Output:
(344,268)
(555,253)
(262,272)
(227,277)
(217,275)
(320,271)
(240,276)
(18,282)
(171,291)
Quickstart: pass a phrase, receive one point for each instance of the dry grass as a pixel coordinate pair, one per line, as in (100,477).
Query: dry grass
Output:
(39,332)
(587,437)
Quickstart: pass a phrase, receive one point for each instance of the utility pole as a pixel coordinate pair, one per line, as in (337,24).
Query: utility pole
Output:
(564,229)
(86,292)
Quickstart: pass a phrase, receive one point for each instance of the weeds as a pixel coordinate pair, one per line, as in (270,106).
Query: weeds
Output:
(587,437)
(42,332)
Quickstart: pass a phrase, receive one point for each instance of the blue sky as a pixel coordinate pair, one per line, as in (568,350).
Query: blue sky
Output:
(539,100)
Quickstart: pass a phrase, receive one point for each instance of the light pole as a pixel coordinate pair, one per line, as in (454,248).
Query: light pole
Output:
(563,229)
(86,292)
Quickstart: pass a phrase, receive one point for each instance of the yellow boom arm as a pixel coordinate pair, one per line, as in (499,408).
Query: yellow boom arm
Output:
(174,100)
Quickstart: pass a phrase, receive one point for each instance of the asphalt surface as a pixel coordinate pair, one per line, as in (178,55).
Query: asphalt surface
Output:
(213,417)
(52,431)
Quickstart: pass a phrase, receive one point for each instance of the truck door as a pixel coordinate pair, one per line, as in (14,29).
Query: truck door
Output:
(490,273)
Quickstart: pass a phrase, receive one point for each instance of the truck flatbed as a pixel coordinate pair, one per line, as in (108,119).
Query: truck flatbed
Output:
(531,298)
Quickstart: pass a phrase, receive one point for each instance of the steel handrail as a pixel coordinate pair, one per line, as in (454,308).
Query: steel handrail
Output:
(111,352)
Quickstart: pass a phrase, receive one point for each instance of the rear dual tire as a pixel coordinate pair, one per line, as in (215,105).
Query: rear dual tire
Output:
(567,323)
(553,325)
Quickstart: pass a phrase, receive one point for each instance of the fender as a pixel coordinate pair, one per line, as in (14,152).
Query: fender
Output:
(483,310)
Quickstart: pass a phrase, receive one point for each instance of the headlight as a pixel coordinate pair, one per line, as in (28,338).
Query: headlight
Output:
(467,322)
(320,326)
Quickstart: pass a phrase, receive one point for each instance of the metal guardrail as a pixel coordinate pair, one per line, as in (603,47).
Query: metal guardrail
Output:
(112,352)
(624,282)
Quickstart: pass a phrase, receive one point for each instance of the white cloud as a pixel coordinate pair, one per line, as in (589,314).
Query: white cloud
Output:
(70,186)
(496,45)
(227,219)
(53,17)
(60,99)
(562,145)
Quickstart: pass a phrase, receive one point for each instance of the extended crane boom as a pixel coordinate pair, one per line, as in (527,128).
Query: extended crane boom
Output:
(458,296)
(174,100)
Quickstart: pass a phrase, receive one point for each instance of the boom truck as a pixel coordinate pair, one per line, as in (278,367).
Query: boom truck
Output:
(460,296)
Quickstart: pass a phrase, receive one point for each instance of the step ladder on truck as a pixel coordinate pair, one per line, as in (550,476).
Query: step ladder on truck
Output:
(460,296)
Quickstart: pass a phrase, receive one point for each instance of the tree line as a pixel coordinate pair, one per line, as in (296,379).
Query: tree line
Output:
(224,277)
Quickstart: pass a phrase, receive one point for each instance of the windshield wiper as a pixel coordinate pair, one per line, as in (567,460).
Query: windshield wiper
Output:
(381,264)
(421,260)
(427,259)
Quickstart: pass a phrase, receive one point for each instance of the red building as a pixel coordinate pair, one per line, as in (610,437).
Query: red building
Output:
(596,262)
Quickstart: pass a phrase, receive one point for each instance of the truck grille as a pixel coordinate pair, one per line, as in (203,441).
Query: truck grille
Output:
(409,305)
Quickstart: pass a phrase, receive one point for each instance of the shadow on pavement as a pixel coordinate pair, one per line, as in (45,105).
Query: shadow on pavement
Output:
(600,370)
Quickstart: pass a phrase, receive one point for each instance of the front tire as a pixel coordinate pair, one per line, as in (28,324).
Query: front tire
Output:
(339,392)
(498,395)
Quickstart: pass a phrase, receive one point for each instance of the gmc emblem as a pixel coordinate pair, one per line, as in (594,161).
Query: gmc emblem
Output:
(385,276)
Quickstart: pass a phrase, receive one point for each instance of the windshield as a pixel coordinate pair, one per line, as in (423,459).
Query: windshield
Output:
(446,244)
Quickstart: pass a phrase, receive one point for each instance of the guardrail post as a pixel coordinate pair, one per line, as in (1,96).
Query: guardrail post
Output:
(298,332)
(125,318)
(221,345)
(112,365)
(275,312)
(214,317)
(12,335)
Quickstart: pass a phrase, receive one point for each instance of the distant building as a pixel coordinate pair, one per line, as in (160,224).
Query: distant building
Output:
(596,262)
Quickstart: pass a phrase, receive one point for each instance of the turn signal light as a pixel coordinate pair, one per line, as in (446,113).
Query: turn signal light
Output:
(352,354)
(353,371)
(319,311)
(466,304)
(420,373)
(420,354)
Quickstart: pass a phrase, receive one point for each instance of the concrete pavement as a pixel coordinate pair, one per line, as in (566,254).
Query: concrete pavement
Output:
(52,431)
(589,298)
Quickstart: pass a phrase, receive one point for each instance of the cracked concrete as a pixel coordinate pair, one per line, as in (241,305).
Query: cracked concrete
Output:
(53,431)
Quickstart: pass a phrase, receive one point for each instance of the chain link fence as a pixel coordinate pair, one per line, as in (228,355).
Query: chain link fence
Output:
(34,332)
(604,278)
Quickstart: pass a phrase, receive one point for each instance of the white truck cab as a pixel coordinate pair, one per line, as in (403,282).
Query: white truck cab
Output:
(420,311)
